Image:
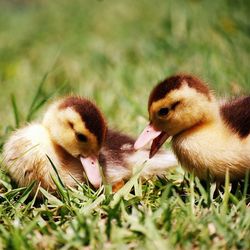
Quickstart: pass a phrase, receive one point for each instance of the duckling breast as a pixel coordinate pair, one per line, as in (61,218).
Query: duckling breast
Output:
(25,156)
(212,150)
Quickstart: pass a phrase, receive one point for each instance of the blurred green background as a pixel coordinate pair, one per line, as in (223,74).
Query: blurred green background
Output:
(115,51)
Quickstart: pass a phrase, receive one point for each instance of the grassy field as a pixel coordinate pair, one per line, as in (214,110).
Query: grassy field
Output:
(114,52)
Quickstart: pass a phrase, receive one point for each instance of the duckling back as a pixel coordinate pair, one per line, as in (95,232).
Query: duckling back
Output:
(120,159)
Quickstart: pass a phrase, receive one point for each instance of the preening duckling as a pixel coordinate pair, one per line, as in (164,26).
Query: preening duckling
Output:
(206,137)
(74,135)
(71,135)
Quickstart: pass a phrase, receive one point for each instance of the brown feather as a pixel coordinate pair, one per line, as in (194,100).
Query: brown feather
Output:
(175,82)
(236,115)
(115,140)
(115,147)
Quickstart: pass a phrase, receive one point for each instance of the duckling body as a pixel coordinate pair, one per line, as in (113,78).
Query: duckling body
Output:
(74,136)
(207,138)
(213,148)
(26,159)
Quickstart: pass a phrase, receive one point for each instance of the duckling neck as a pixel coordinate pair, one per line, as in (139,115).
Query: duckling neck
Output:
(211,117)
(206,147)
(66,160)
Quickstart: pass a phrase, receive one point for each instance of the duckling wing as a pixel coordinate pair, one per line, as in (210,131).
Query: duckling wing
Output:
(120,159)
(236,115)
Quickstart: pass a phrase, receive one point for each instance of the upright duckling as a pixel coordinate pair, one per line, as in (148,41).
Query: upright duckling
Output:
(74,136)
(206,137)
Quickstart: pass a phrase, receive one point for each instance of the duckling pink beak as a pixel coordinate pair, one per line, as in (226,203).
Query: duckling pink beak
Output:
(91,168)
(150,134)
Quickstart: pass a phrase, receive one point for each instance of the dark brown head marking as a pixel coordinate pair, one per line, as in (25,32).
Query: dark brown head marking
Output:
(175,82)
(236,115)
(90,115)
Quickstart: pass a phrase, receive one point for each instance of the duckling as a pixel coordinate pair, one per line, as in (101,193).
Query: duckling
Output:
(74,136)
(207,137)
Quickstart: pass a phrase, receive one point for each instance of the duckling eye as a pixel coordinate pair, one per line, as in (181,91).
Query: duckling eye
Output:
(71,124)
(175,105)
(81,137)
(163,111)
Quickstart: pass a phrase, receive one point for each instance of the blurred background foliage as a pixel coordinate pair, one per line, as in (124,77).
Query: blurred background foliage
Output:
(115,51)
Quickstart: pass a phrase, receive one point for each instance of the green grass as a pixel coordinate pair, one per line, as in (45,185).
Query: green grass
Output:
(114,52)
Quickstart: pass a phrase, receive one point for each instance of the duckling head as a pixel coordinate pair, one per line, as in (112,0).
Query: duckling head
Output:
(176,104)
(78,126)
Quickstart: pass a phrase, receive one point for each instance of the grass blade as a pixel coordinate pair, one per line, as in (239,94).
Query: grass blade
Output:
(15,110)
(36,96)
(246,184)
(226,194)
(127,187)
(51,198)
(27,192)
